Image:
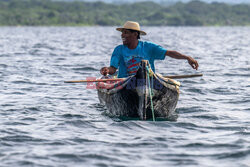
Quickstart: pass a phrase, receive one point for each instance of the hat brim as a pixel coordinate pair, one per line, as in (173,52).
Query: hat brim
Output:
(141,32)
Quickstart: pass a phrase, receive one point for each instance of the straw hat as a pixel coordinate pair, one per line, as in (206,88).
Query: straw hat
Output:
(132,26)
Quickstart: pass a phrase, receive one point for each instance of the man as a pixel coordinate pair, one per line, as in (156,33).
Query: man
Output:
(127,57)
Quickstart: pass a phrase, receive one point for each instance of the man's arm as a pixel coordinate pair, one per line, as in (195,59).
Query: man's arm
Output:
(174,54)
(108,70)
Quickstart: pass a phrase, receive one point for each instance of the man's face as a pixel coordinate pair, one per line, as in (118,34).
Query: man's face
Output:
(128,36)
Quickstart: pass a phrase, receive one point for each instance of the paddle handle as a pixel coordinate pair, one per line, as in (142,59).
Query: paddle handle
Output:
(95,80)
(183,76)
(120,79)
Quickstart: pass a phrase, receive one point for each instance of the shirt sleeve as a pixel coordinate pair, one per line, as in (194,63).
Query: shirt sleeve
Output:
(157,51)
(115,58)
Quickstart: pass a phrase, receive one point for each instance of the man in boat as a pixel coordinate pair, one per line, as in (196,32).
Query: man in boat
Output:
(127,57)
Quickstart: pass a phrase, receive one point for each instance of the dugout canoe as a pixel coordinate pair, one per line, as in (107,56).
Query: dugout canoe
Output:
(145,95)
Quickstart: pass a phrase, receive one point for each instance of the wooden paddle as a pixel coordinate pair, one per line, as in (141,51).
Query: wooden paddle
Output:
(120,79)
(95,80)
(183,76)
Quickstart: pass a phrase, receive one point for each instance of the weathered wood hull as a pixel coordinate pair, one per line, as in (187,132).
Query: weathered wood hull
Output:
(131,97)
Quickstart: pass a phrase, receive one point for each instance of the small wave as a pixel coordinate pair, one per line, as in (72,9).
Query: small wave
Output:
(207,117)
(28,119)
(73,116)
(28,82)
(32,108)
(21,82)
(82,140)
(72,157)
(183,162)
(234,154)
(15,123)
(237,74)
(3,65)
(195,90)
(1,155)
(226,128)
(133,125)
(238,101)
(222,91)
(83,157)
(81,123)
(244,133)
(187,125)
(99,157)
(18,93)
(141,144)
(85,69)
(5,55)
(55,143)
(191,109)
(205,145)
(21,138)
(43,46)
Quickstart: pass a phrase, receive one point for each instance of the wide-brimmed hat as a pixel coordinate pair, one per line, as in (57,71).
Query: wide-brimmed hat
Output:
(132,26)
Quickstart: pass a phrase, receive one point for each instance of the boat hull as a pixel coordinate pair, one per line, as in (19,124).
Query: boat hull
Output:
(141,96)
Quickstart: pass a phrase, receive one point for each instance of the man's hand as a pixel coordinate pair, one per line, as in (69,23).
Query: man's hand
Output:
(104,71)
(193,62)
(171,53)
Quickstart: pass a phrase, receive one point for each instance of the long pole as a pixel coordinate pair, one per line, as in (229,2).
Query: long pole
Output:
(120,79)
(183,76)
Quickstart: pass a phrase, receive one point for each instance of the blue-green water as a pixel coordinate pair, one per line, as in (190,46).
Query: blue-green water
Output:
(45,122)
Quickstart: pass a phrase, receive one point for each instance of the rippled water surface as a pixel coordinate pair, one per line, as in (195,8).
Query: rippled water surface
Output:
(46,122)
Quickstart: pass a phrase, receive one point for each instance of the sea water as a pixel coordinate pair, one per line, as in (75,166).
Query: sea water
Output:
(45,122)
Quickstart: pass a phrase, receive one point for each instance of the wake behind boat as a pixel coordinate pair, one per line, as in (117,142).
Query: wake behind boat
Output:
(145,95)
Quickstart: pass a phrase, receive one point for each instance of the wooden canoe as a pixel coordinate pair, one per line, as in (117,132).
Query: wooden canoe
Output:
(137,96)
